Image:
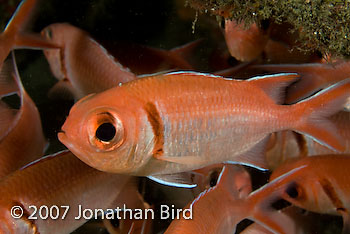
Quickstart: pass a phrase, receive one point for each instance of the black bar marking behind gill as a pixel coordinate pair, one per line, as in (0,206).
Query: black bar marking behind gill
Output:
(331,193)
(158,128)
(302,144)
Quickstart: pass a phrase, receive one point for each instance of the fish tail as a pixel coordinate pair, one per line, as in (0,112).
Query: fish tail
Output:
(310,82)
(313,113)
(14,29)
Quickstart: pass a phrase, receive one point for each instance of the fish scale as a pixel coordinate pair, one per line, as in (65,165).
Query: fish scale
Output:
(220,99)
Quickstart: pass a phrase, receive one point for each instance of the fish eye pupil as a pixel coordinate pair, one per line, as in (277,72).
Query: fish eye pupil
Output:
(292,192)
(105,132)
(49,33)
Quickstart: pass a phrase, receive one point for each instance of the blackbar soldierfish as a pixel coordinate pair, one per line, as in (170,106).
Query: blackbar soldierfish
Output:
(245,44)
(14,35)
(21,136)
(81,64)
(219,209)
(60,181)
(213,211)
(183,121)
(322,185)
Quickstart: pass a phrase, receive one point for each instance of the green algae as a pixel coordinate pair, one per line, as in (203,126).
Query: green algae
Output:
(322,24)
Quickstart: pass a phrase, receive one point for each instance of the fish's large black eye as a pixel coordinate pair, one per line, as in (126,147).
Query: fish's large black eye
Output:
(48,33)
(292,191)
(105,132)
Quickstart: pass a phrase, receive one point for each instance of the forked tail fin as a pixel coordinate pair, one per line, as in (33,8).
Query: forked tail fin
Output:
(313,112)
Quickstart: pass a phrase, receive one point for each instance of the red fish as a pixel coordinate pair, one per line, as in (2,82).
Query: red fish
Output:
(221,208)
(18,127)
(214,210)
(321,185)
(83,66)
(178,122)
(76,63)
(244,44)
(141,59)
(58,180)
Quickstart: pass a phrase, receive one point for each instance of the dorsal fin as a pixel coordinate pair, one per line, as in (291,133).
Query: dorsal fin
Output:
(275,85)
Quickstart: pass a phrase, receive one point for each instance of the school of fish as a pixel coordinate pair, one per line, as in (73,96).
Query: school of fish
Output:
(266,139)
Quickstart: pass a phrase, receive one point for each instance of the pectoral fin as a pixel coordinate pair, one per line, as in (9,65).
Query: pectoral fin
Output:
(255,157)
(181,180)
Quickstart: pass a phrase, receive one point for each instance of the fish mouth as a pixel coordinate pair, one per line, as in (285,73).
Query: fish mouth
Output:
(62,136)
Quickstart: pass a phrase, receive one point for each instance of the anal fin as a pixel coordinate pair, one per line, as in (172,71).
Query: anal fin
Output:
(255,157)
